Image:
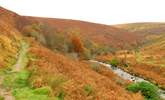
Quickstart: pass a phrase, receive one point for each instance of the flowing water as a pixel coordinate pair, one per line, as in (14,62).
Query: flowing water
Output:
(127,76)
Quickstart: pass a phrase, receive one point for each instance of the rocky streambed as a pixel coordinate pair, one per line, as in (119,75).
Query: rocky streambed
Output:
(128,76)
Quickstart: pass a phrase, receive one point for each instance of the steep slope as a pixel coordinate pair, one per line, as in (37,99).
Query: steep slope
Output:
(99,33)
(32,71)
(63,35)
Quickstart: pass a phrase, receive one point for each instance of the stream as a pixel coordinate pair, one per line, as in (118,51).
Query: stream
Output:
(127,76)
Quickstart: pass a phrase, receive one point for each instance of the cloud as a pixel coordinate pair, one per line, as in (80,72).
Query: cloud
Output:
(100,11)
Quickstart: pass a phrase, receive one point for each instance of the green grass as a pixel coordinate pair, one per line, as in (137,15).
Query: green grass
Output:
(88,89)
(23,59)
(17,79)
(21,89)
(27,93)
(60,96)
(2,98)
(114,62)
(42,90)
(148,90)
(18,83)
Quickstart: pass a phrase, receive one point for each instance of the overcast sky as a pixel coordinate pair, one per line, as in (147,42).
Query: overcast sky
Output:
(98,11)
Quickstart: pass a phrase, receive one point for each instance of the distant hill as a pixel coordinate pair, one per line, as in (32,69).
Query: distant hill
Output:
(144,28)
(153,46)
(99,33)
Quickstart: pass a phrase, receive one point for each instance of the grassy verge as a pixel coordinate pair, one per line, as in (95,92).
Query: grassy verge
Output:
(17,80)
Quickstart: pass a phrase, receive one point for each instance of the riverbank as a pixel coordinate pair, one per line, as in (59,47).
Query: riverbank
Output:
(127,76)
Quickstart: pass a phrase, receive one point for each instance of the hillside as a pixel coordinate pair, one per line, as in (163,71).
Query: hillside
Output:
(148,60)
(144,28)
(31,71)
(59,35)
(154,35)
(99,33)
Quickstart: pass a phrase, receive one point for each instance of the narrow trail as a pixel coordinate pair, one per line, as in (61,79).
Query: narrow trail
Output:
(22,59)
(20,64)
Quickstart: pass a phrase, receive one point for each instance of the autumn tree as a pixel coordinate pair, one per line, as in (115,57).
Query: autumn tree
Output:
(77,44)
(34,31)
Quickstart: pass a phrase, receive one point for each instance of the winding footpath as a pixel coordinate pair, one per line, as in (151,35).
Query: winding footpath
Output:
(20,64)
(128,76)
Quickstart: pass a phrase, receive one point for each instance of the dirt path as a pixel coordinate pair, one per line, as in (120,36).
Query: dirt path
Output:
(20,64)
(22,58)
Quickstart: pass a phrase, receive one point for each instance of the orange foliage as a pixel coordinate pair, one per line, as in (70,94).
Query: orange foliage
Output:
(48,64)
(107,57)
(78,75)
(78,44)
(152,73)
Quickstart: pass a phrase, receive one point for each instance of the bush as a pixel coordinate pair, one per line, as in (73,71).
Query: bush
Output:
(56,81)
(86,54)
(77,44)
(60,96)
(134,87)
(34,31)
(126,65)
(88,89)
(148,90)
(95,67)
(58,41)
(73,55)
(114,62)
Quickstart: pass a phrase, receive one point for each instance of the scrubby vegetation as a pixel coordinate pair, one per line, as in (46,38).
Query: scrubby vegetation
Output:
(8,48)
(31,94)
(149,90)
(114,62)
(67,43)
(50,64)
(144,63)
(16,79)
(88,89)
(96,67)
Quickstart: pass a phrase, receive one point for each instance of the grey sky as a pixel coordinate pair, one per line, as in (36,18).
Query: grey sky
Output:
(99,11)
